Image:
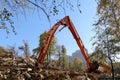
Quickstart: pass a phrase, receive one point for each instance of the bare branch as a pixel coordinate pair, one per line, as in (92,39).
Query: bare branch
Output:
(41,9)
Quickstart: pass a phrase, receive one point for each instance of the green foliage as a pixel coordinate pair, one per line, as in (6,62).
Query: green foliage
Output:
(64,58)
(117,67)
(51,49)
(77,65)
(107,27)
(41,43)
(42,39)
(98,55)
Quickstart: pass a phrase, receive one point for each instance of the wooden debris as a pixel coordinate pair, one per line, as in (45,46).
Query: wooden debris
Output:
(18,68)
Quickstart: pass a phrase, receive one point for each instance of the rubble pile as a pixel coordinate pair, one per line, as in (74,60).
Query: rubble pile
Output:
(18,68)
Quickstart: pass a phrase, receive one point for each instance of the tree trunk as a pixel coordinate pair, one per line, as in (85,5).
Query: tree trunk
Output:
(111,63)
(59,58)
(109,57)
(49,57)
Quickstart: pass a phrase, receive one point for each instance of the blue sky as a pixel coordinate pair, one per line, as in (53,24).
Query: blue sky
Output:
(32,26)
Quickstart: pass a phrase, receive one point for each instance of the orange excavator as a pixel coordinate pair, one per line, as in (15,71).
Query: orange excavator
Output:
(66,22)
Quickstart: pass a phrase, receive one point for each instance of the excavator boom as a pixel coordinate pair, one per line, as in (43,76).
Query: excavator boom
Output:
(65,22)
(68,23)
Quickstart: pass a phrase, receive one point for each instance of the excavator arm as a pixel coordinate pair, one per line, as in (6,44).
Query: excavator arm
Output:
(105,67)
(66,22)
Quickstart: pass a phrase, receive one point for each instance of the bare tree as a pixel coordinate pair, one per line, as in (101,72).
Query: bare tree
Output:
(10,8)
(25,49)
